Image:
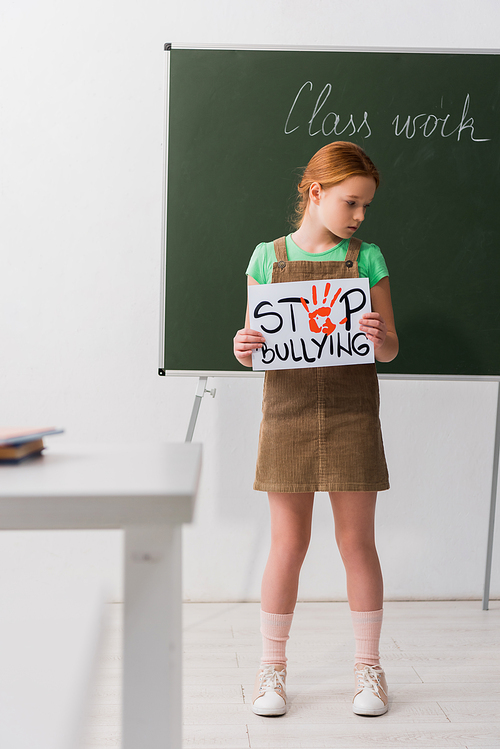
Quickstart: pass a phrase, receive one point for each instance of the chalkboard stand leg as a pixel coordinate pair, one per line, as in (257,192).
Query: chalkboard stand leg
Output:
(491,526)
(200,392)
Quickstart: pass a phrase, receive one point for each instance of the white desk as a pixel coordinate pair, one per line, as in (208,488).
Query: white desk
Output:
(149,491)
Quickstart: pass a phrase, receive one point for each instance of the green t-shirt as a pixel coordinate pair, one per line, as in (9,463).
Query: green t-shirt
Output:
(371,263)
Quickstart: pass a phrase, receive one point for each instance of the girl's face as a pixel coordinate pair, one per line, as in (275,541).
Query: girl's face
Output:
(341,208)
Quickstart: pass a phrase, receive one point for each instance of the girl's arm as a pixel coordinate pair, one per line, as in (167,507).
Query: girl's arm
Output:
(247,339)
(379,325)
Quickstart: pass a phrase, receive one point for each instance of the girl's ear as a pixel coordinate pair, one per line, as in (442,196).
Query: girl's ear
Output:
(315,191)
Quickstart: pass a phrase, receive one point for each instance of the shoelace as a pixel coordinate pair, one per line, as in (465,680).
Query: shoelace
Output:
(369,678)
(270,679)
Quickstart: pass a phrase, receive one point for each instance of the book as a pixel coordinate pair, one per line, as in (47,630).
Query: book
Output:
(16,453)
(16,436)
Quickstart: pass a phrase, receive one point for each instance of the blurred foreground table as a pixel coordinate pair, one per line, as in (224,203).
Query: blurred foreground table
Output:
(148,491)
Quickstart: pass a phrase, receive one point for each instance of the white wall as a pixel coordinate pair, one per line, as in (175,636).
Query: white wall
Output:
(81,107)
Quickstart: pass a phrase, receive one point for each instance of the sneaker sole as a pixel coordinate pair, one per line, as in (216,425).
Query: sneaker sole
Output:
(379,711)
(269,711)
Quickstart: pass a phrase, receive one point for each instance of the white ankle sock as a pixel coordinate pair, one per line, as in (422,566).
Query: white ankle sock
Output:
(274,629)
(367,626)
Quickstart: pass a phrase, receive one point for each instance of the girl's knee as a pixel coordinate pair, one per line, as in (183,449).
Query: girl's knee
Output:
(291,551)
(353,549)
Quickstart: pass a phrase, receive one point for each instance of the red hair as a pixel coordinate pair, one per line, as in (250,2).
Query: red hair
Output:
(332,164)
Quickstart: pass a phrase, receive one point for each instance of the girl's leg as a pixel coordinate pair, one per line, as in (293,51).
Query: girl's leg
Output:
(291,516)
(354,514)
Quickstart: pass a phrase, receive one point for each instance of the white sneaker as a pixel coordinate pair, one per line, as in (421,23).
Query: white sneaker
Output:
(269,695)
(371,696)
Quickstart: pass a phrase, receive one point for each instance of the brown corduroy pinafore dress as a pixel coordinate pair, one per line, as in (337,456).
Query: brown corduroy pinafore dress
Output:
(320,427)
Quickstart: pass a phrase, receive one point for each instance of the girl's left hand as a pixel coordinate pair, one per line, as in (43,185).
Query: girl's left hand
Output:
(373,326)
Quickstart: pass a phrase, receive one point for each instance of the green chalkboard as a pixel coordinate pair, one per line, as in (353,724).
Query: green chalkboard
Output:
(241,125)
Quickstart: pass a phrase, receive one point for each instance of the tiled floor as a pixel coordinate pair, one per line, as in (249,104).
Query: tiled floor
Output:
(442,661)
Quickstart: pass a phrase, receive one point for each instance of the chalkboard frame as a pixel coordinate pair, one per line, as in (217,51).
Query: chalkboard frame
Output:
(168,47)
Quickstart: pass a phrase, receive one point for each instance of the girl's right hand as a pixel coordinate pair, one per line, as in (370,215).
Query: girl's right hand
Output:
(244,342)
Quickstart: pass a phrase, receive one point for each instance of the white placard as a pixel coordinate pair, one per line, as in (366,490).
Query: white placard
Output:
(310,323)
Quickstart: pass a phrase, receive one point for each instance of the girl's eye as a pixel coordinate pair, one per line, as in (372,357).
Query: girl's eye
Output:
(350,202)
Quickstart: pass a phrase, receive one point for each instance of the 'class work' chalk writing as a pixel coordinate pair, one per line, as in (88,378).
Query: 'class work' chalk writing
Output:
(327,123)
(326,118)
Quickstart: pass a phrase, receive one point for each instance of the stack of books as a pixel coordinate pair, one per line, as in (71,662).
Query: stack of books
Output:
(18,444)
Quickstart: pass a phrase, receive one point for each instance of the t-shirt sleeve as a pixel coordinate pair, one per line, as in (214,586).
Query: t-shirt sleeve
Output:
(377,267)
(258,267)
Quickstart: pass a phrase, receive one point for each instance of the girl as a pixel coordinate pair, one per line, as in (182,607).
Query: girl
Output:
(320,429)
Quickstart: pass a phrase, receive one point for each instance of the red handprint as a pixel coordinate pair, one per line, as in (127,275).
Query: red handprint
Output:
(328,326)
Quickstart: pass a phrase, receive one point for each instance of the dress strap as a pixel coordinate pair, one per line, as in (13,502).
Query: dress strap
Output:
(351,255)
(353,250)
(280,250)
